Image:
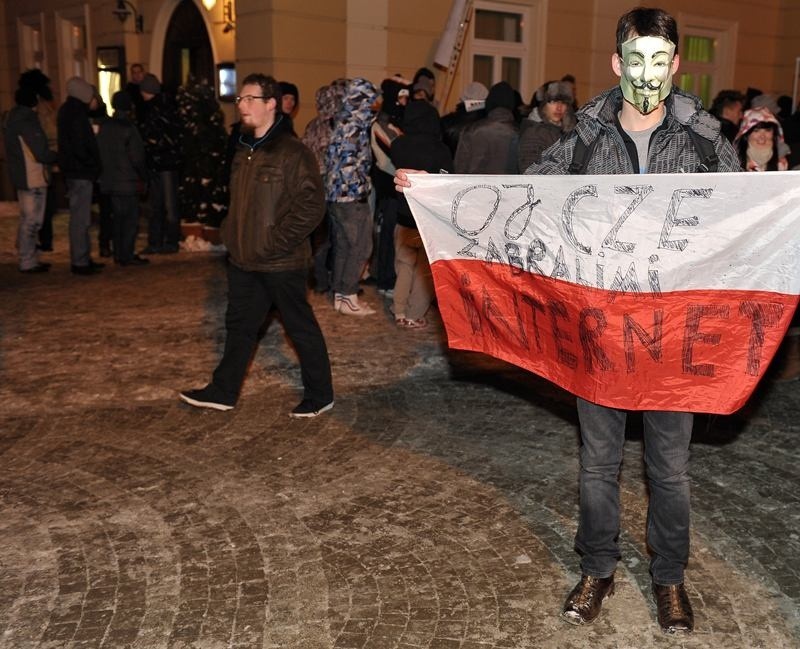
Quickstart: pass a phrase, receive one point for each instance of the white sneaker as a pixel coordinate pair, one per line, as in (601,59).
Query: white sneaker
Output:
(349,305)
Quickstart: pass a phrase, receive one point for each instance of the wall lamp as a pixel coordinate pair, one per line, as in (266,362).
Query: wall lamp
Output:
(122,12)
(228,20)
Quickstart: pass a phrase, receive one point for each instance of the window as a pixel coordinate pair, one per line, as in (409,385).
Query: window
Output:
(499,47)
(698,58)
(31,42)
(110,70)
(73,44)
(707,52)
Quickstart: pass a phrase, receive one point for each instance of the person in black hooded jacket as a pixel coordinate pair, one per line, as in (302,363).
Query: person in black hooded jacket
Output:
(421,147)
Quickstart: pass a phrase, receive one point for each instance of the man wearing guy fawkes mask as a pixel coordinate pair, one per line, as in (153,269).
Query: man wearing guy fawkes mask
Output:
(641,126)
(644,125)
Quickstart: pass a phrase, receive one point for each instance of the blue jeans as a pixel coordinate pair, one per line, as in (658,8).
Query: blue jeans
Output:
(666,440)
(31,215)
(80,219)
(352,241)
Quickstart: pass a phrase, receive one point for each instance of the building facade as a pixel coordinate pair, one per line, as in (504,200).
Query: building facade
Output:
(725,43)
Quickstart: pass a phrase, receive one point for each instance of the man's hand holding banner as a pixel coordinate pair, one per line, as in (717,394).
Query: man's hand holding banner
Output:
(658,292)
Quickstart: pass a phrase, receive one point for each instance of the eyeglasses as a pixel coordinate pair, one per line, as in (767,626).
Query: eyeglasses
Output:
(248,99)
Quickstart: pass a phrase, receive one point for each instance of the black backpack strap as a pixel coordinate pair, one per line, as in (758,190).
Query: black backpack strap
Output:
(709,161)
(581,155)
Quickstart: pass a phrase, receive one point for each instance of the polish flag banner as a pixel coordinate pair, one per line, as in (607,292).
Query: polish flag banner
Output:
(650,292)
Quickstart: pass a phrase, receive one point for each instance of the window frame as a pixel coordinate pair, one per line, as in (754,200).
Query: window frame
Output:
(29,56)
(530,51)
(724,33)
(65,20)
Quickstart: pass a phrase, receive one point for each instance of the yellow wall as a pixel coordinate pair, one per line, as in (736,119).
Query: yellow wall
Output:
(312,42)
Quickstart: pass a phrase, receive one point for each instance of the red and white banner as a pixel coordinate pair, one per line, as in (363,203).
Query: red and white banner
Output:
(662,292)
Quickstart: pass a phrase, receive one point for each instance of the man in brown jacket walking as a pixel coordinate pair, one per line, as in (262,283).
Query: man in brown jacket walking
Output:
(276,202)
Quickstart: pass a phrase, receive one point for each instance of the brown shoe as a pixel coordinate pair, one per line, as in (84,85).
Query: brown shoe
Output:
(674,609)
(586,599)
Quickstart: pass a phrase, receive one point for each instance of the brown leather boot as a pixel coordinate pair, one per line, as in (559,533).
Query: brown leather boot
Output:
(586,599)
(675,613)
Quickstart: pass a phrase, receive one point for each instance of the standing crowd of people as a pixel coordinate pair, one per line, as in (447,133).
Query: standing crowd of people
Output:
(112,160)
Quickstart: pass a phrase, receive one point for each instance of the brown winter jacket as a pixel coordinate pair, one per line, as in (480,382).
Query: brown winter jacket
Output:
(277,200)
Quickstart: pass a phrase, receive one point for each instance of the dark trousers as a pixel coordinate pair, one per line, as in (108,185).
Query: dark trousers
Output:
(385,272)
(250,297)
(322,248)
(50,207)
(125,225)
(105,227)
(164,225)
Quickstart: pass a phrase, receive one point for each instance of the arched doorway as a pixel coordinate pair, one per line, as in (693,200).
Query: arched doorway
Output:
(187,49)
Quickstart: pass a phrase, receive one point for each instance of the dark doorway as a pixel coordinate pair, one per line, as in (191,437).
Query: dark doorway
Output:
(187,49)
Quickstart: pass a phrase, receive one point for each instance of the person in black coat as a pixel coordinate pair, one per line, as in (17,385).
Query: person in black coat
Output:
(124,171)
(162,133)
(420,147)
(79,160)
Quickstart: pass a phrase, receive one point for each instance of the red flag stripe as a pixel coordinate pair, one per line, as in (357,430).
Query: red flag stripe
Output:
(697,350)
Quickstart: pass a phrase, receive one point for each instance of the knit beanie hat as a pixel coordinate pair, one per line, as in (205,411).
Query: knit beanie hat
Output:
(288,88)
(150,84)
(766,101)
(501,95)
(474,96)
(80,89)
(121,101)
(474,91)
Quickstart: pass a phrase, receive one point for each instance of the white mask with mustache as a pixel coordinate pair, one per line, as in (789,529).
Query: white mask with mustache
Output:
(646,66)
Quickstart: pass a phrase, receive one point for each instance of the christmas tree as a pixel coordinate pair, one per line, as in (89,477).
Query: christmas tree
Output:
(203,188)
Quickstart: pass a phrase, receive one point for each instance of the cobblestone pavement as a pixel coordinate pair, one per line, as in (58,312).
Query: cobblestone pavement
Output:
(434,506)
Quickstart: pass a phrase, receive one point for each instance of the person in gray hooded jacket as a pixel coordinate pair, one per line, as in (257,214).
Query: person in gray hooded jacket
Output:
(28,157)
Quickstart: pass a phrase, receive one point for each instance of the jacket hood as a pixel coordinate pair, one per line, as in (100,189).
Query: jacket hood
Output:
(328,100)
(681,106)
(359,97)
(421,118)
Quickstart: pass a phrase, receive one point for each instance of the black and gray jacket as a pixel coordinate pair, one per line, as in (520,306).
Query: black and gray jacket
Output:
(671,147)
(27,152)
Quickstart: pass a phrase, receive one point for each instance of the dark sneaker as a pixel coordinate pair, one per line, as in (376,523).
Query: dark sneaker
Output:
(307,408)
(208,397)
(85,270)
(136,260)
(586,599)
(675,613)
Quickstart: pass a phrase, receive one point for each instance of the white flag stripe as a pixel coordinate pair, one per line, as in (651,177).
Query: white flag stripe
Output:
(659,232)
